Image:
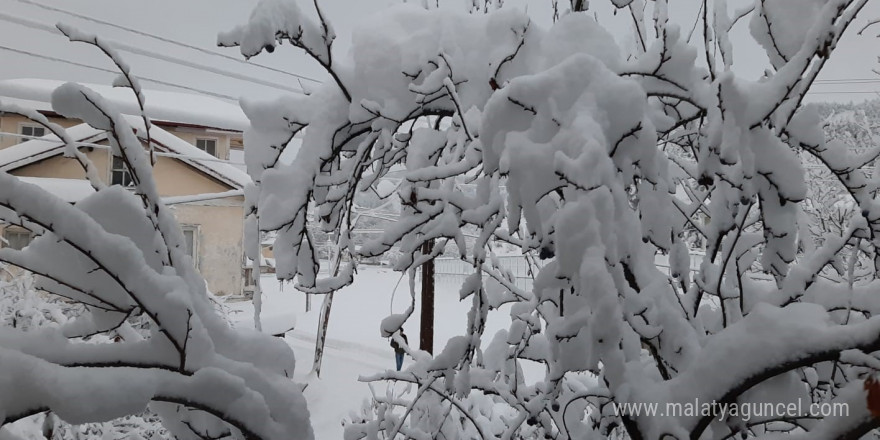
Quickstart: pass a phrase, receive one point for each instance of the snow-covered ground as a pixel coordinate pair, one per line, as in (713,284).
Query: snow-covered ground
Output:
(355,346)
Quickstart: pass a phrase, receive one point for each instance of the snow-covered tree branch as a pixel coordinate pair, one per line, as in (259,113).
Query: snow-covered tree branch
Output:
(594,158)
(120,254)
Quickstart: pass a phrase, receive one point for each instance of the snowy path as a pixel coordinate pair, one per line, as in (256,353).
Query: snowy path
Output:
(298,336)
(338,392)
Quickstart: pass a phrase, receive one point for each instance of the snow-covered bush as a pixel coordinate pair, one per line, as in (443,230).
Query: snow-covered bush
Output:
(828,206)
(24,308)
(582,133)
(119,254)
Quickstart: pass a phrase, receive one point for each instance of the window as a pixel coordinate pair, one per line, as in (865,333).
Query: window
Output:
(191,242)
(119,174)
(16,238)
(207,145)
(31,130)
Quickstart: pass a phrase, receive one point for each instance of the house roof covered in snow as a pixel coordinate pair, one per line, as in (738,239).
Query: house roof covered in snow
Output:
(164,108)
(48,146)
(69,190)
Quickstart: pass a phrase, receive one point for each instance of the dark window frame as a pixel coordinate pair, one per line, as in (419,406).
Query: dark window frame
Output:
(191,245)
(119,173)
(31,130)
(208,145)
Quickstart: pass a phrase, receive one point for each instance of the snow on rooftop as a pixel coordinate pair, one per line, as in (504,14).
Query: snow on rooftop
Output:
(223,171)
(236,159)
(69,190)
(31,151)
(35,150)
(161,106)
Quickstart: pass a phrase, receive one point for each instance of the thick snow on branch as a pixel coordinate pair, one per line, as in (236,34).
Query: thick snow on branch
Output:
(119,254)
(274,20)
(595,159)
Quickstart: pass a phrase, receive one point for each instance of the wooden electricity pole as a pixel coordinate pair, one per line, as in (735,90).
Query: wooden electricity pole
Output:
(426,332)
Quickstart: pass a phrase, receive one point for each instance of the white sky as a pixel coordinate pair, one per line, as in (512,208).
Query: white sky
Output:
(197,22)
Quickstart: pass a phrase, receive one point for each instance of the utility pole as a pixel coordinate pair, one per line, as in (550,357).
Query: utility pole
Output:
(426,332)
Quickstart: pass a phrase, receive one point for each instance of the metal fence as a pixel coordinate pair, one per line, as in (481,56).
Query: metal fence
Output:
(453,270)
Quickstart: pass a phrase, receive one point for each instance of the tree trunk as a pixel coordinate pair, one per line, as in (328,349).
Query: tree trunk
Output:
(324,318)
(426,333)
(257,299)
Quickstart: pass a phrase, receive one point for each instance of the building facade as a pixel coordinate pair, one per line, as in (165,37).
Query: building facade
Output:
(193,173)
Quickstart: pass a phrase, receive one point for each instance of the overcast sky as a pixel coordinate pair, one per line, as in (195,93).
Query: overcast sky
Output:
(197,22)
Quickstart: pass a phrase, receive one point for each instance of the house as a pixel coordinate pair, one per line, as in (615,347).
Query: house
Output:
(193,137)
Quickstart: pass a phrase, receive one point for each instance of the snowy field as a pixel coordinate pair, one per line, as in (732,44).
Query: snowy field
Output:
(355,346)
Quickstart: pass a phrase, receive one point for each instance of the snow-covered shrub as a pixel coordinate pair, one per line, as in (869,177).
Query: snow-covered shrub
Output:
(24,308)
(120,255)
(829,206)
(605,154)
(47,426)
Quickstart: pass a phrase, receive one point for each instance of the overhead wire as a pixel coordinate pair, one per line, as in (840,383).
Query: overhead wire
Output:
(101,69)
(843,92)
(165,39)
(846,80)
(174,60)
(842,82)
(151,54)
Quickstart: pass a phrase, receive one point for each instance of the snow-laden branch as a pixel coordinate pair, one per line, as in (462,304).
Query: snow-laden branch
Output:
(596,158)
(120,254)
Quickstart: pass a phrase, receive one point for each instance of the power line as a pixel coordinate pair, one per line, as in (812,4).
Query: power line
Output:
(150,54)
(164,39)
(174,60)
(847,80)
(100,69)
(845,92)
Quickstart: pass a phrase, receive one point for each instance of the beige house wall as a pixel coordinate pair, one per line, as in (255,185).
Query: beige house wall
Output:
(219,232)
(13,123)
(218,239)
(219,223)
(173,177)
(65,168)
